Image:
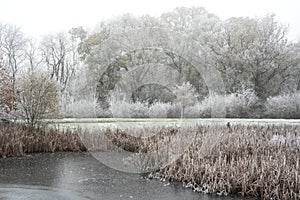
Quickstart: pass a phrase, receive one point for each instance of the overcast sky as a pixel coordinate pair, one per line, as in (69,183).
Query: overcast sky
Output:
(38,17)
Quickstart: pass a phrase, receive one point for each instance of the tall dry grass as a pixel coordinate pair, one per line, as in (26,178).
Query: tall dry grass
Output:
(141,140)
(249,160)
(17,140)
(244,160)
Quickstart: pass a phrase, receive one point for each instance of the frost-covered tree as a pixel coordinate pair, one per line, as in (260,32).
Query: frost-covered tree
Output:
(253,52)
(118,45)
(292,75)
(13,44)
(60,57)
(193,34)
(78,100)
(185,96)
(112,42)
(248,52)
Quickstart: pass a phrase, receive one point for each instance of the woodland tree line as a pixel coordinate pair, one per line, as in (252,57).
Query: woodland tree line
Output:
(81,73)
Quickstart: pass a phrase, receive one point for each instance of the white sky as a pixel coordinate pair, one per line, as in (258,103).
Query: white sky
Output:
(38,17)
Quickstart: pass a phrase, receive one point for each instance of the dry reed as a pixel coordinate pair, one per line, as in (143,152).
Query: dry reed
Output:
(249,160)
(241,160)
(17,140)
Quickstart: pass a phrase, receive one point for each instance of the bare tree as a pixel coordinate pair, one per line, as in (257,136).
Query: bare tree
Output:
(33,56)
(12,45)
(59,55)
(37,97)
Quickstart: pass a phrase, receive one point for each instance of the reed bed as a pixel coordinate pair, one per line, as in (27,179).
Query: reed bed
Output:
(141,140)
(17,140)
(244,160)
(249,160)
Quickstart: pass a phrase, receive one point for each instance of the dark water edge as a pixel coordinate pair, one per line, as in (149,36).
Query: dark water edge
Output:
(69,175)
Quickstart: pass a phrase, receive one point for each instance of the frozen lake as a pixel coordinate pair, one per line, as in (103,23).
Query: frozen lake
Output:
(80,176)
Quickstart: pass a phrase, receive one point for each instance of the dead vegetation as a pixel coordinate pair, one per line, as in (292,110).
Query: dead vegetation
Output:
(242,160)
(249,160)
(17,140)
(141,141)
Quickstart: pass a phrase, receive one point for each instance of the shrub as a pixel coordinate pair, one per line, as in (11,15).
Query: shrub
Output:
(83,108)
(103,112)
(125,109)
(138,110)
(239,104)
(159,110)
(121,108)
(37,98)
(205,106)
(283,106)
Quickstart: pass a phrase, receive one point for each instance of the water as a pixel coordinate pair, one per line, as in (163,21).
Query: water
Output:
(69,175)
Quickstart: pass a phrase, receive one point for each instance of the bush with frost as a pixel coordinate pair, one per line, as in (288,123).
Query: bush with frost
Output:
(79,108)
(240,104)
(159,110)
(283,106)
(237,104)
(121,107)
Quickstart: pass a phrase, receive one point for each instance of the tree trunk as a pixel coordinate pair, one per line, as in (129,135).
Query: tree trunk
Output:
(298,86)
(182,112)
